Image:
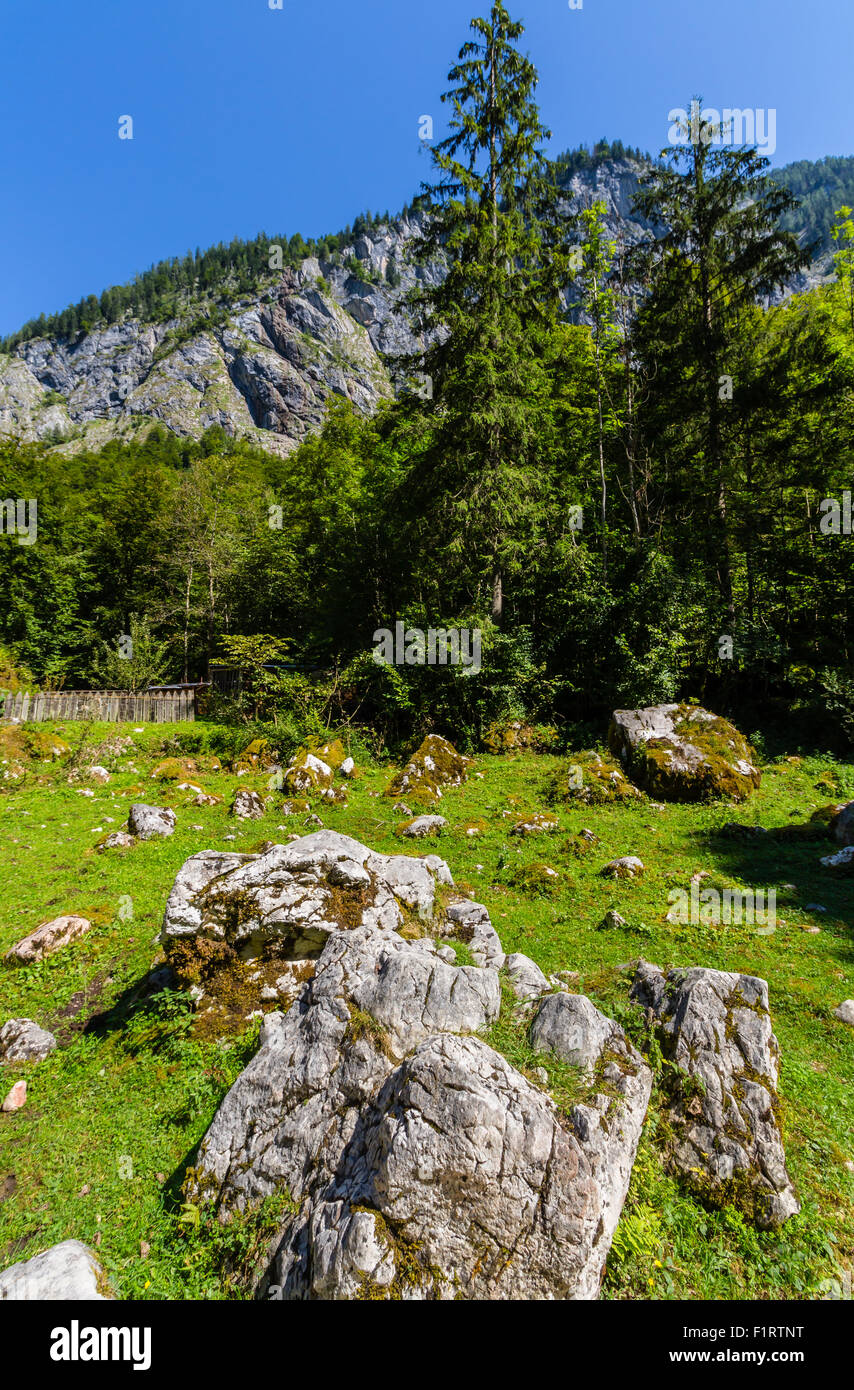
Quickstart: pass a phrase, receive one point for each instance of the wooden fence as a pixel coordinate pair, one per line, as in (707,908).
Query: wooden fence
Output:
(112,706)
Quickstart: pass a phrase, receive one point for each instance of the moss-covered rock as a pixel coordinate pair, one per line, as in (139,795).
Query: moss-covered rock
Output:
(436,764)
(684,753)
(539,879)
(514,736)
(307,774)
(44,746)
(592,779)
(536,824)
(332,752)
(175,770)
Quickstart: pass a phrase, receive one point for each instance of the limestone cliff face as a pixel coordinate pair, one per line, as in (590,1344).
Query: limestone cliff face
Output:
(267,366)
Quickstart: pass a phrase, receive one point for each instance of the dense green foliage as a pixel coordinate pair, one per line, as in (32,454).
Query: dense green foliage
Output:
(102,1149)
(822,187)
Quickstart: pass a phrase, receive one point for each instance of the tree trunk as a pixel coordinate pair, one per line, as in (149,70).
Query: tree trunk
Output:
(497,607)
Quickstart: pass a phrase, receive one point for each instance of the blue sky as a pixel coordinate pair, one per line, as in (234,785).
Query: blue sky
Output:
(250,119)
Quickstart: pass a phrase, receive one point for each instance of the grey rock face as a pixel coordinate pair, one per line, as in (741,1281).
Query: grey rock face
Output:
(571,1027)
(21,1040)
(469,922)
(65,1272)
(295,896)
(151,822)
(526,978)
(716,1027)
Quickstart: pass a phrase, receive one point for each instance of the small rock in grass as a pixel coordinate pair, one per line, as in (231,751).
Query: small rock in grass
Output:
(247,805)
(64,1272)
(627,867)
(47,938)
(422,826)
(845,1012)
(611,920)
(151,822)
(16,1099)
(119,839)
(843,860)
(22,1040)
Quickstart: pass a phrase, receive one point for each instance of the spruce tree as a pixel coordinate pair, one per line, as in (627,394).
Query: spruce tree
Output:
(493,215)
(720,250)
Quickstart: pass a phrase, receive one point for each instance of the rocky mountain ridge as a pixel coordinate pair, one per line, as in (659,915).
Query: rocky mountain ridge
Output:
(264,366)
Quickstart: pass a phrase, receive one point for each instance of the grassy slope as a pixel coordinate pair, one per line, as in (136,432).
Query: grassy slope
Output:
(114,1116)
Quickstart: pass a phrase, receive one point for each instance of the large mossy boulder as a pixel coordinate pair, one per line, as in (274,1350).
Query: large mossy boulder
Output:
(683,753)
(436,764)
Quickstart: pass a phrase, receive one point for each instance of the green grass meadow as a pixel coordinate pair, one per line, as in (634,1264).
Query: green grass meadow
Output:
(114,1116)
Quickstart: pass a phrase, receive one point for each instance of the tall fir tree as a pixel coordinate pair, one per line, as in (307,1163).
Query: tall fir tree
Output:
(721,250)
(494,217)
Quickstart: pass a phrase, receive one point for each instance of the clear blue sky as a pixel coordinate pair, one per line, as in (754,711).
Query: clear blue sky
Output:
(249,119)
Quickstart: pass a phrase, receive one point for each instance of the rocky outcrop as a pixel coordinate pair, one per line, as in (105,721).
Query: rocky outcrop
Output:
(267,365)
(419,1162)
(46,939)
(68,1272)
(22,1040)
(423,1164)
(683,753)
(434,765)
(295,896)
(241,929)
(716,1028)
